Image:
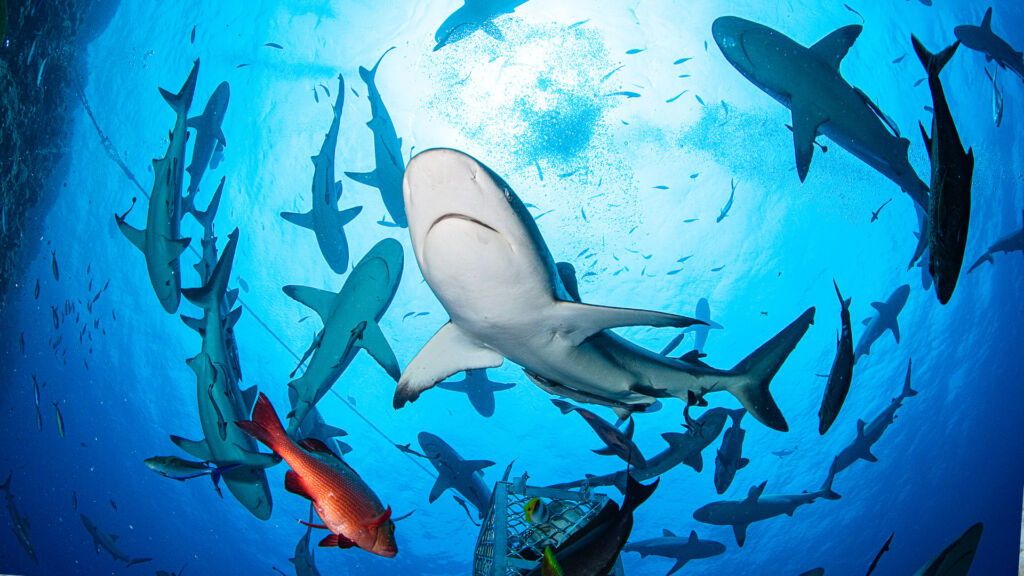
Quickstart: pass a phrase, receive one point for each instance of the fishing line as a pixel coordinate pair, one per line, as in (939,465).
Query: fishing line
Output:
(108,147)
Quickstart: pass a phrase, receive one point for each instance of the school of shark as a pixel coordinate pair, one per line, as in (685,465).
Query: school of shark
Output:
(497,310)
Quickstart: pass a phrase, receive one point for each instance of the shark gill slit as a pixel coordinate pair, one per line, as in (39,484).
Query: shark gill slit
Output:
(124,168)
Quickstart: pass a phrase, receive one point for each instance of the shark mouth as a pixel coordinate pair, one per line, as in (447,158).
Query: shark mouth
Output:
(463,217)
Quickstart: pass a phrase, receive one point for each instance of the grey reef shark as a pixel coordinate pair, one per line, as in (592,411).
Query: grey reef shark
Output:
(729,458)
(949,204)
(108,542)
(209,139)
(1012,242)
(683,448)
(479,389)
(220,400)
(324,218)
(700,331)
(682,550)
(841,375)
(870,433)
(20,523)
(454,472)
(483,256)
(808,82)
(758,506)
(350,320)
(387,150)
(885,318)
(474,15)
(984,40)
(160,242)
(955,559)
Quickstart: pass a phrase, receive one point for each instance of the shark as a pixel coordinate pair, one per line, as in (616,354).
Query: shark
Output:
(841,375)
(209,138)
(474,15)
(108,542)
(870,433)
(949,205)
(324,218)
(617,443)
(304,558)
(160,242)
(350,320)
(885,319)
(479,388)
(682,550)
(314,426)
(807,81)
(984,40)
(700,331)
(757,506)
(683,448)
(387,150)
(483,256)
(455,472)
(21,523)
(729,458)
(955,559)
(1012,242)
(220,401)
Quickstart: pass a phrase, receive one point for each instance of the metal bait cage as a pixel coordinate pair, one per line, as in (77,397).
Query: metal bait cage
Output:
(508,545)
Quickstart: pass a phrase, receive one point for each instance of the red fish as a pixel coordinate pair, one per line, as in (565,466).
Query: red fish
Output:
(345,504)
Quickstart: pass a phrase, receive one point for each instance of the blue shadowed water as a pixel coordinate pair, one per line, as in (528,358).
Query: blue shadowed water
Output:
(628,189)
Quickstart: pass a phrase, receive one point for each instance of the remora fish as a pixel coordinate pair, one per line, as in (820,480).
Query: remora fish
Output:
(1012,242)
(60,419)
(324,218)
(209,137)
(997,99)
(387,150)
(884,319)
(474,241)
(177,469)
(219,399)
(949,204)
(479,388)
(108,542)
(729,458)
(21,523)
(350,320)
(343,501)
(957,558)
(728,205)
(616,442)
(474,15)
(455,472)
(682,550)
(741,513)
(593,549)
(160,242)
(841,375)
(869,434)
(983,39)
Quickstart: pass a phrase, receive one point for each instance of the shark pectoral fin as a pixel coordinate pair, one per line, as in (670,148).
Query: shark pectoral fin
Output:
(577,322)
(833,48)
(176,247)
(347,215)
(443,483)
(860,428)
(895,328)
(740,530)
(870,457)
(492,30)
(806,120)
(376,345)
(866,321)
(449,351)
(694,460)
(679,564)
(742,463)
(927,140)
(606,451)
(197,449)
(196,324)
(134,235)
(320,301)
(365,178)
(304,220)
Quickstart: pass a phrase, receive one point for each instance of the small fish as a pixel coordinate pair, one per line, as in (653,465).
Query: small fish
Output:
(705,45)
(673,272)
(60,419)
(918,83)
(56,321)
(584,214)
(243,284)
(326,90)
(585,250)
(632,51)
(113,504)
(626,93)
(537,217)
(540,174)
(900,59)
(407,315)
(609,75)
(564,175)
(699,99)
(421,314)
(53,266)
(624,123)
(354,92)
(577,24)
(719,269)
(42,68)
(178,469)
(683,76)
(681,60)
(242,65)
(192,36)
(885,547)
(676,97)
(631,230)
(688,220)
(316,97)
(661,187)
(855,12)
(694,175)
(36,291)
(874,214)
(274,45)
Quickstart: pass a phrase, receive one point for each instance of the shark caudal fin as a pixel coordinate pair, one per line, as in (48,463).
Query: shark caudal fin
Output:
(933,63)
(264,426)
(368,76)
(637,493)
(206,217)
(907,390)
(826,488)
(755,372)
(182,101)
(209,296)
(986,257)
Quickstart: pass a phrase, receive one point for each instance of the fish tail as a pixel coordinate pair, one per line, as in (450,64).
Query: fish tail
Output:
(907,390)
(209,296)
(933,63)
(265,425)
(182,101)
(369,75)
(826,488)
(637,493)
(755,373)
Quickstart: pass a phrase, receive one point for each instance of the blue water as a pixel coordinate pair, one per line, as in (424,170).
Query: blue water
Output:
(536,109)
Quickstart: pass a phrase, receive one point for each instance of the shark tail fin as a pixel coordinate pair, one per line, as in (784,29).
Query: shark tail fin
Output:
(637,493)
(265,425)
(182,101)
(755,372)
(135,561)
(907,390)
(369,75)
(986,257)
(826,491)
(933,63)
(205,217)
(209,296)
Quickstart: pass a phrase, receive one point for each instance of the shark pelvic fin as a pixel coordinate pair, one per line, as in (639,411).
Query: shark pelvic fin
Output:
(320,301)
(833,48)
(349,214)
(581,321)
(449,351)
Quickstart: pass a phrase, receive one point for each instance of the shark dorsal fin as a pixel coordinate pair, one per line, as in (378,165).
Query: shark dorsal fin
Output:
(879,306)
(249,398)
(860,428)
(320,301)
(567,274)
(666,533)
(986,22)
(693,537)
(755,492)
(833,48)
